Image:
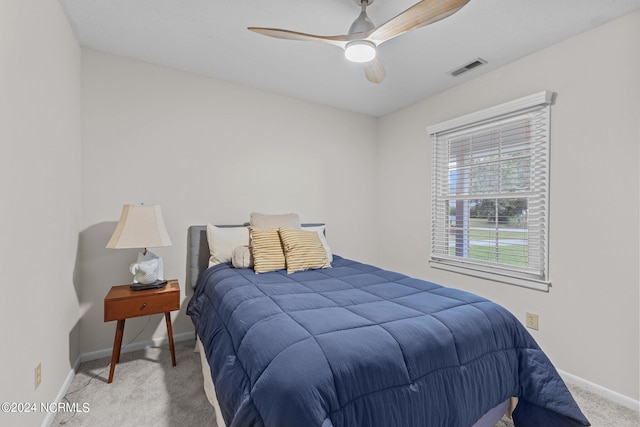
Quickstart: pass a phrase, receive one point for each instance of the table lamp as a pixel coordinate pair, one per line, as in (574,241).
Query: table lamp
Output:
(142,226)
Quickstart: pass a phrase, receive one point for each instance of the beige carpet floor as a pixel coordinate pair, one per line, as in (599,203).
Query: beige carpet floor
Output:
(148,391)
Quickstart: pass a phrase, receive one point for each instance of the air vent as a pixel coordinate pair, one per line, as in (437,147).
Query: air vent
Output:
(470,66)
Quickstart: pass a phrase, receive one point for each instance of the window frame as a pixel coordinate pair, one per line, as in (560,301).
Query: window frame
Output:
(538,104)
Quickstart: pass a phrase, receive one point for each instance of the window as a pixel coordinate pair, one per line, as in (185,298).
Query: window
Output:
(490,192)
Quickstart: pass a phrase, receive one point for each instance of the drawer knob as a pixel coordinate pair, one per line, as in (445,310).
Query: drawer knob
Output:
(144,305)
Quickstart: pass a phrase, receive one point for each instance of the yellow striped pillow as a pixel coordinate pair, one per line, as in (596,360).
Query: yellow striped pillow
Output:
(303,250)
(267,249)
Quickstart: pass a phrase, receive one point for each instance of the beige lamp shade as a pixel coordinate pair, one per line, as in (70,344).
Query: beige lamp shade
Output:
(140,227)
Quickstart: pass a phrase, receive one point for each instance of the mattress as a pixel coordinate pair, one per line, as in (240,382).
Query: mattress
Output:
(357,345)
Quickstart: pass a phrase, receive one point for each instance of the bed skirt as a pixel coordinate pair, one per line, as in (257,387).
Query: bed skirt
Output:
(209,389)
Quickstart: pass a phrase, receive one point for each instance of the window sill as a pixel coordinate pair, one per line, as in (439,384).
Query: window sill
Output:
(538,285)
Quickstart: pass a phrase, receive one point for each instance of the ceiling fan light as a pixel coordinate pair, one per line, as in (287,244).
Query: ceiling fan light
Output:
(360,51)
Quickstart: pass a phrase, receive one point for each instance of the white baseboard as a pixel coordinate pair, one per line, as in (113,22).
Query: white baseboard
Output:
(135,346)
(99,354)
(63,391)
(604,392)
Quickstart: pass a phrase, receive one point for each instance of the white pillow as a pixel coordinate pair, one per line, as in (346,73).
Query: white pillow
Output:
(222,242)
(261,220)
(320,230)
(242,257)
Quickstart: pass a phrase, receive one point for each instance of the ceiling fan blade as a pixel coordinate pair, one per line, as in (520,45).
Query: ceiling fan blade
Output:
(420,14)
(374,71)
(339,41)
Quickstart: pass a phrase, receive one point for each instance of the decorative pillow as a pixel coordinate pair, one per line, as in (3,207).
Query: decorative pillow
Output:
(275,221)
(323,238)
(266,249)
(222,242)
(242,257)
(303,250)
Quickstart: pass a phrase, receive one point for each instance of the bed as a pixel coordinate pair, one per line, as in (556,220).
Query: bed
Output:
(356,345)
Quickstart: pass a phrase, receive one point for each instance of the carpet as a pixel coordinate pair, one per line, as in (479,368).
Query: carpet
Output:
(148,391)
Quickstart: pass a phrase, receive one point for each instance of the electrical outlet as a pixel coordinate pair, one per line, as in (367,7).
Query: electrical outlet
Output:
(38,374)
(532,321)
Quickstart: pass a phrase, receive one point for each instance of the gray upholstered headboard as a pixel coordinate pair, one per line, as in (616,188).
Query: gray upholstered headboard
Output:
(198,250)
(197,253)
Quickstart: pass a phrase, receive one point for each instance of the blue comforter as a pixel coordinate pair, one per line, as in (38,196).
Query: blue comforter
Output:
(355,345)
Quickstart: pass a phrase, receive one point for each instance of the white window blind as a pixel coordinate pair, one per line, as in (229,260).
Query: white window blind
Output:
(490,192)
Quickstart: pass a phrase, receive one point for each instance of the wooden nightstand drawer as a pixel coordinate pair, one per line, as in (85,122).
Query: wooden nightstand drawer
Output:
(123,303)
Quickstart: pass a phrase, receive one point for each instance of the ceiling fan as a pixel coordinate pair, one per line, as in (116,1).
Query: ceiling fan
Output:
(363,37)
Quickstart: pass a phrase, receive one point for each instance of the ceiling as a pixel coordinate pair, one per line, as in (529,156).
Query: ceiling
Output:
(210,37)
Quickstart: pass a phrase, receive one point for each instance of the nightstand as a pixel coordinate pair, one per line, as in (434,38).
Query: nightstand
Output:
(122,303)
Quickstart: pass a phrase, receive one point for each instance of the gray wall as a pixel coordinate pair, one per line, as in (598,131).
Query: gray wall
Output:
(589,322)
(40,146)
(209,151)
